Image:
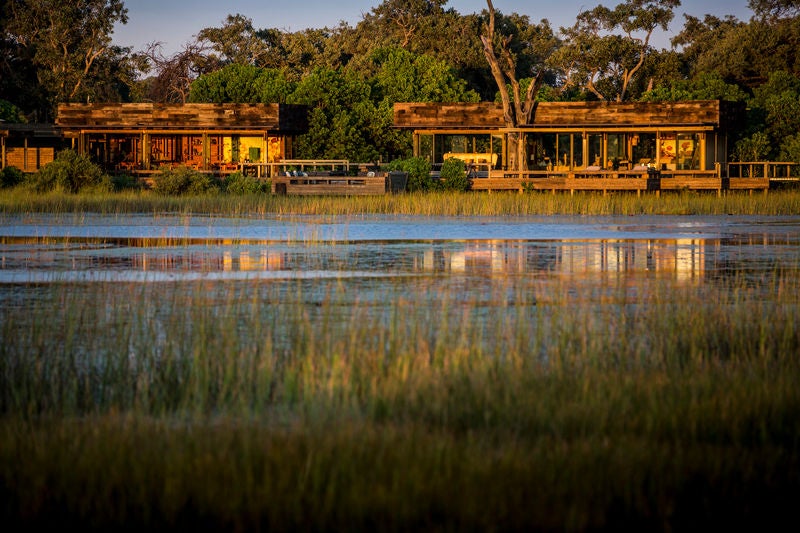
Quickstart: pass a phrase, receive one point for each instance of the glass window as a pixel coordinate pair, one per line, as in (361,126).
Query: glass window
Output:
(577,150)
(541,150)
(643,149)
(687,151)
(426,147)
(615,150)
(497,148)
(596,150)
(667,151)
(564,150)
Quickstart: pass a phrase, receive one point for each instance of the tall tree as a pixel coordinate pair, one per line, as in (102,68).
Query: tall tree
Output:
(603,62)
(404,76)
(775,9)
(64,41)
(698,39)
(242,84)
(237,42)
(340,113)
(402,21)
(747,52)
(518,107)
(174,74)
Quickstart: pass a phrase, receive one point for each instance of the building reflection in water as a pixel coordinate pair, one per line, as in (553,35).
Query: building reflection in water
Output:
(685,259)
(226,261)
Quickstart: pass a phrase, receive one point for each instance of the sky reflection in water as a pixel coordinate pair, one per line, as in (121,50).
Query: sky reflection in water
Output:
(89,248)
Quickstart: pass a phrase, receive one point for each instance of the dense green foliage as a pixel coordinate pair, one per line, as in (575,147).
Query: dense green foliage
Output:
(10,113)
(405,50)
(242,84)
(183,180)
(238,183)
(11,177)
(454,175)
(419,172)
(70,172)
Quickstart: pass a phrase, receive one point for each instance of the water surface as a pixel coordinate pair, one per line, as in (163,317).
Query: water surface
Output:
(147,248)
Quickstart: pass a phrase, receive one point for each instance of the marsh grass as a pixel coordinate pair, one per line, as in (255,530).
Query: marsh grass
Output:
(782,202)
(289,405)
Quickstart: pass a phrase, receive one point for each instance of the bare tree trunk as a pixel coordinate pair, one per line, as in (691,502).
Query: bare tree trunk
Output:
(520,109)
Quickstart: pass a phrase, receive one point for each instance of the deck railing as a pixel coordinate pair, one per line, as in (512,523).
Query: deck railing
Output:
(775,171)
(301,165)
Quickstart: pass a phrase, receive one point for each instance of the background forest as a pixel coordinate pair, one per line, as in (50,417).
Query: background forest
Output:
(412,50)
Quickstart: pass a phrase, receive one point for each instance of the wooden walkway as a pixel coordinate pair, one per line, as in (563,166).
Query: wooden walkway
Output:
(391,182)
(570,182)
(610,181)
(330,185)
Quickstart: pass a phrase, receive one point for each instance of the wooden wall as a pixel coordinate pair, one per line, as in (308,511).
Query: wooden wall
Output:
(575,114)
(29,159)
(467,115)
(273,117)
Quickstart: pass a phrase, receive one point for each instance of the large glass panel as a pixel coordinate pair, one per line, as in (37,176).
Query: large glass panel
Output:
(456,143)
(596,150)
(667,151)
(643,149)
(615,151)
(564,151)
(577,150)
(688,151)
(497,148)
(541,151)
(426,147)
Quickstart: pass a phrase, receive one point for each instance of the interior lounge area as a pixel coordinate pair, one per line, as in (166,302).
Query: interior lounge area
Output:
(642,149)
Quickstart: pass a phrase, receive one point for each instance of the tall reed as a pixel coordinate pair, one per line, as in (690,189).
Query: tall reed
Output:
(343,404)
(785,202)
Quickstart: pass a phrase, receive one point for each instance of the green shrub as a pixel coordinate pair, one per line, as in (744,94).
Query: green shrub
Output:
(790,149)
(753,148)
(184,180)
(125,182)
(10,113)
(454,175)
(11,177)
(419,172)
(70,172)
(238,183)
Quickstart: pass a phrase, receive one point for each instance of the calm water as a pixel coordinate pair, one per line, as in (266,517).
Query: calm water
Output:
(41,249)
(149,274)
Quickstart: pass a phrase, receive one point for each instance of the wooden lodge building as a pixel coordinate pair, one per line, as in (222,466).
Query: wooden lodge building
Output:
(602,146)
(28,147)
(143,138)
(585,145)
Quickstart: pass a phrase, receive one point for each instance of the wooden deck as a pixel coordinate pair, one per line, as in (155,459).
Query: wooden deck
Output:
(613,181)
(331,185)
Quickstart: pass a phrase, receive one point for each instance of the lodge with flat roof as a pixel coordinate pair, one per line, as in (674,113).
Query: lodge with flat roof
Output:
(208,137)
(583,145)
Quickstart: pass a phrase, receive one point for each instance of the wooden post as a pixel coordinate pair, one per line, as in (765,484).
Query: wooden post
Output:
(206,151)
(703,151)
(146,151)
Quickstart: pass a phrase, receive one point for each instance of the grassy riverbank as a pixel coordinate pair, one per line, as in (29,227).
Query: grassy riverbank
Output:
(427,204)
(251,405)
